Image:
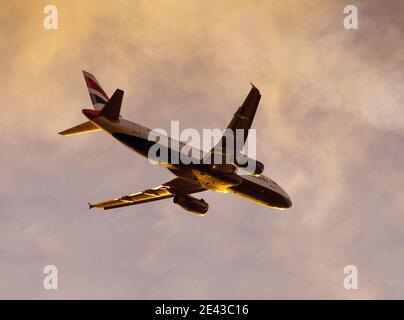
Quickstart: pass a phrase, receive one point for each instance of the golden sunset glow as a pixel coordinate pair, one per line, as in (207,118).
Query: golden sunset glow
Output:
(329,130)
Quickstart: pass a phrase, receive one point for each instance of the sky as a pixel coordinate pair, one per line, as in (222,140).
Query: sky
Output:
(329,131)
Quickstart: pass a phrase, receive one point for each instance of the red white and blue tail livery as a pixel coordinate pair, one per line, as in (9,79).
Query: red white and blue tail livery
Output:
(97,94)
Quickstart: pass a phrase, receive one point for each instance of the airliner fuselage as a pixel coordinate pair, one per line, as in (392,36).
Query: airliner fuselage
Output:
(261,189)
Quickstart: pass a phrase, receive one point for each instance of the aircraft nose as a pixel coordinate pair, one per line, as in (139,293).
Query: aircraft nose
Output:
(285,200)
(288,202)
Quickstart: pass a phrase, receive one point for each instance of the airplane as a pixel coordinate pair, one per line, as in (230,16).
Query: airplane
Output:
(190,178)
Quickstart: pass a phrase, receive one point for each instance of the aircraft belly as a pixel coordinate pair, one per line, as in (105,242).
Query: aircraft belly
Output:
(138,144)
(163,154)
(214,180)
(259,194)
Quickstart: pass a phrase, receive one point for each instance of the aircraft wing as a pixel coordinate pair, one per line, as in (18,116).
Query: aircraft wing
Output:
(164,191)
(241,120)
(244,115)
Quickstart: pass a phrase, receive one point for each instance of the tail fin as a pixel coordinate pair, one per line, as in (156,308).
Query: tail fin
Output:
(98,96)
(106,107)
(99,99)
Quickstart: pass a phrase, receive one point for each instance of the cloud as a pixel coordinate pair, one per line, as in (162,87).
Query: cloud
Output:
(329,130)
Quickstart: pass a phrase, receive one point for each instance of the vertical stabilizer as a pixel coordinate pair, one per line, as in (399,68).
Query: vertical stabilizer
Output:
(98,96)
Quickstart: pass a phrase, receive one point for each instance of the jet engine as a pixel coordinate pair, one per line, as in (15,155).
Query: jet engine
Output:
(189,203)
(249,165)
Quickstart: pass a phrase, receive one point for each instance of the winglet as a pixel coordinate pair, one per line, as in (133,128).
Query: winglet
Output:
(252,84)
(90,206)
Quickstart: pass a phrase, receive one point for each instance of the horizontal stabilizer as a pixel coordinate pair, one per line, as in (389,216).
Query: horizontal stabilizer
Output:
(113,107)
(81,128)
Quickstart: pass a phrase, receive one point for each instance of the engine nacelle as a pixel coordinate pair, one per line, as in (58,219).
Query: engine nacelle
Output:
(189,203)
(249,165)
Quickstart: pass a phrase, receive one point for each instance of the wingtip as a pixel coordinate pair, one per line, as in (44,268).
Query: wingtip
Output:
(254,87)
(63,133)
(90,206)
